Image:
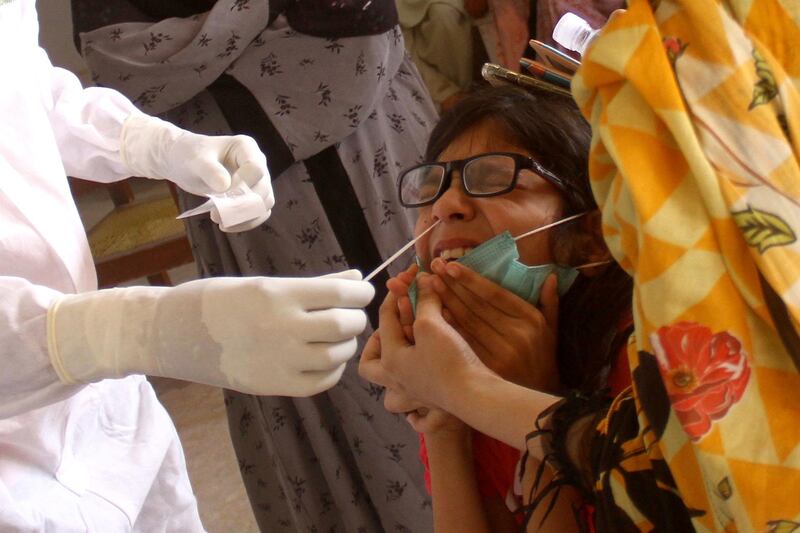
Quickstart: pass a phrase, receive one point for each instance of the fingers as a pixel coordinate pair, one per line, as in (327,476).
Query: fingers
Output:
(400,283)
(390,327)
(406,315)
(429,320)
(424,419)
(249,166)
(311,383)
(259,182)
(369,367)
(416,421)
(463,311)
(263,188)
(249,161)
(474,288)
(475,319)
(333,325)
(396,402)
(372,348)
(429,305)
(212,173)
(242,157)
(397,286)
(255,175)
(467,336)
(325,357)
(352,274)
(327,292)
(549,301)
(408,275)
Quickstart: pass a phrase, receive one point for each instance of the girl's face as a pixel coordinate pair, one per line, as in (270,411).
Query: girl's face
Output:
(467,222)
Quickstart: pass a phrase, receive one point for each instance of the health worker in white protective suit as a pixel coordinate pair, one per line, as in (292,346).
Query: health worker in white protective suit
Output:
(82,446)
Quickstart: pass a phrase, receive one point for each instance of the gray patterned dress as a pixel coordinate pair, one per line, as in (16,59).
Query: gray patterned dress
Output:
(337,117)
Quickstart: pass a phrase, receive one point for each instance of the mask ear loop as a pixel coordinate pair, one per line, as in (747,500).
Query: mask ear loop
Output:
(596,263)
(557,223)
(551,225)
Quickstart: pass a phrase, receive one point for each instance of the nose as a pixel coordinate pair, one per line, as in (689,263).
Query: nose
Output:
(454,204)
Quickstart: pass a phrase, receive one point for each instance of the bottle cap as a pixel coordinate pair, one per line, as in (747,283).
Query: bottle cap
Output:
(572,32)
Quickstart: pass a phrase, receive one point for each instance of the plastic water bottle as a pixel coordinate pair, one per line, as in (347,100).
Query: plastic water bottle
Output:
(574,33)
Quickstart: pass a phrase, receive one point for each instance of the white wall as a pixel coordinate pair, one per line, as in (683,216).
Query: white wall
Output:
(55,36)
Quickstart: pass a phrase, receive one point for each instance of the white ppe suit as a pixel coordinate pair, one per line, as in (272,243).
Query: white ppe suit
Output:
(99,457)
(105,456)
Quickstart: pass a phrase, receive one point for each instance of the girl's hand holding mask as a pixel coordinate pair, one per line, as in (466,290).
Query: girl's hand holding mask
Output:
(369,365)
(512,337)
(423,419)
(370,368)
(432,421)
(440,358)
(398,286)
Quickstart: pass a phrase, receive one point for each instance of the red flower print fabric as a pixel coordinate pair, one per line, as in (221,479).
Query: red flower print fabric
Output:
(705,373)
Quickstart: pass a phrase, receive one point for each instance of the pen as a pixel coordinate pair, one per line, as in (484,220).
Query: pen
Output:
(540,71)
(497,75)
(554,55)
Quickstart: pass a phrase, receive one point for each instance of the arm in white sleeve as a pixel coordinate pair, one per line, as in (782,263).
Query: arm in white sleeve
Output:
(27,379)
(87,123)
(102,137)
(257,335)
(266,336)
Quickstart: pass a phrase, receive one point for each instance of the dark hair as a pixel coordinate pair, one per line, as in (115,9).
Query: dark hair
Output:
(551,127)
(547,124)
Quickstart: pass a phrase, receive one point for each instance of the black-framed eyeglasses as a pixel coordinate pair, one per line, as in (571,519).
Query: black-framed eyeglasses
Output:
(483,175)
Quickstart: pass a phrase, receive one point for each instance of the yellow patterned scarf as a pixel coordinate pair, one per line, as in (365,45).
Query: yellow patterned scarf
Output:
(695,107)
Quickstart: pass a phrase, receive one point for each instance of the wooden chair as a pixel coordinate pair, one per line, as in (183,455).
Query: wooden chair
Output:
(138,238)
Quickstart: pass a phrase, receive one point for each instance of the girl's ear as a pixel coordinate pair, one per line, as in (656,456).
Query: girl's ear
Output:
(582,242)
(596,250)
(593,226)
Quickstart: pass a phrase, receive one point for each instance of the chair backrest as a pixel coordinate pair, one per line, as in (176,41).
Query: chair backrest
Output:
(137,238)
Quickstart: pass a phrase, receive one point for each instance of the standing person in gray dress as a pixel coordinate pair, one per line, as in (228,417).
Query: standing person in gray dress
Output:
(333,100)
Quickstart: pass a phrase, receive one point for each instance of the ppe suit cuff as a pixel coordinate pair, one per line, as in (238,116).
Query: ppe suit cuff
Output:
(144,143)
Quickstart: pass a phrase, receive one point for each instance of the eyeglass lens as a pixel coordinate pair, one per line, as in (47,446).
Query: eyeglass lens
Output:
(490,174)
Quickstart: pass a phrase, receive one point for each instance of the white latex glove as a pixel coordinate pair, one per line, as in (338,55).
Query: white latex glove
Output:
(199,164)
(266,336)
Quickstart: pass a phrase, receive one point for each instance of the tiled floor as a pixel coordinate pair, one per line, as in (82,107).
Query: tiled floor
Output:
(199,415)
(197,410)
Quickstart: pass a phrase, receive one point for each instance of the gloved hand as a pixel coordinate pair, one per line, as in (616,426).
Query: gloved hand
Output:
(266,336)
(199,164)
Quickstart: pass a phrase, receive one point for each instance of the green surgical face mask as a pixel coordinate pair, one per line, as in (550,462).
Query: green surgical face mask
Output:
(498,260)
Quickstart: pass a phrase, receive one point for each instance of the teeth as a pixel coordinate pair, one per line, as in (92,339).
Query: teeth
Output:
(454,253)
